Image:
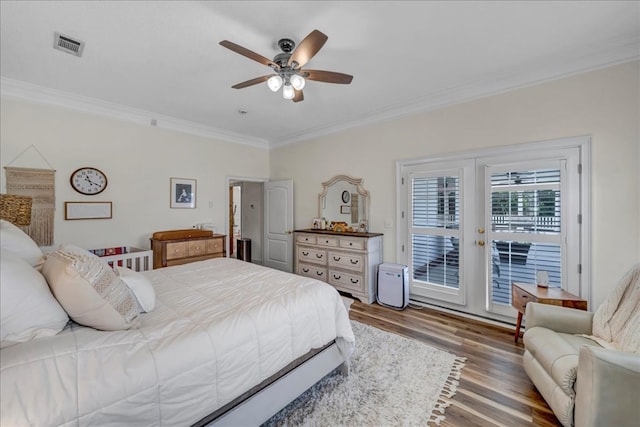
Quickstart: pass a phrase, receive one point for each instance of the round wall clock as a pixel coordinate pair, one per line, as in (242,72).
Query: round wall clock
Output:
(89,181)
(346,196)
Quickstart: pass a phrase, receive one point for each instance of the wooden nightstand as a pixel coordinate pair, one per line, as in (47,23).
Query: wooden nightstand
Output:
(522,293)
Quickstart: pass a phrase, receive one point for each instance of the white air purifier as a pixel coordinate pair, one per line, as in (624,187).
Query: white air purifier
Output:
(393,285)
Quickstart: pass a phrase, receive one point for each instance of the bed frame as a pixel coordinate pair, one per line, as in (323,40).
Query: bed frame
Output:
(280,390)
(265,400)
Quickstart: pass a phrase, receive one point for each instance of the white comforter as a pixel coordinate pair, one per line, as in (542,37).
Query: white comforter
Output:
(219,327)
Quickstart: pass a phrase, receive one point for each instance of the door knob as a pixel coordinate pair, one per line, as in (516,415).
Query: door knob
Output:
(480,230)
(480,242)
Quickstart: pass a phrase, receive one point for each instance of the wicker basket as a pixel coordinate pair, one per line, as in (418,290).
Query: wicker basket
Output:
(15,209)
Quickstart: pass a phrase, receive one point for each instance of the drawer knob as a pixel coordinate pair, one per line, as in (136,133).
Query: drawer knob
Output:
(354,261)
(305,253)
(336,277)
(350,243)
(326,241)
(337,258)
(354,281)
(319,256)
(319,273)
(306,270)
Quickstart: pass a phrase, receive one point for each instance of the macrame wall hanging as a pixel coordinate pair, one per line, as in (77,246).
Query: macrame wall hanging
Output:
(40,185)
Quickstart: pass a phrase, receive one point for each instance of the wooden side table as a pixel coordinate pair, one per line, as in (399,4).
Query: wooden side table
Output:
(522,293)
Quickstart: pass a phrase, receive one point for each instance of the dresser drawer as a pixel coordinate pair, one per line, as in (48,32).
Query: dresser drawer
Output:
(197,247)
(306,238)
(215,246)
(330,241)
(354,262)
(520,298)
(359,244)
(316,256)
(177,250)
(353,282)
(312,271)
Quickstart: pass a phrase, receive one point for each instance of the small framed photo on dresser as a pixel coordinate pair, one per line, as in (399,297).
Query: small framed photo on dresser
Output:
(362,226)
(182,193)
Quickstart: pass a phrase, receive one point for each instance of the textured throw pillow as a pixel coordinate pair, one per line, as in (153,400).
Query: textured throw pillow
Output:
(140,286)
(89,290)
(615,322)
(16,241)
(27,308)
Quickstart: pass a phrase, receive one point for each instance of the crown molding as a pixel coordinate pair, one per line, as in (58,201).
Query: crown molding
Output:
(610,53)
(10,88)
(626,49)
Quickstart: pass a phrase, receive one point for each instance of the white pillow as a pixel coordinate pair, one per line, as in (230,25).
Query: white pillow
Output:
(89,290)
(16,241)
(140,286)
(27,308)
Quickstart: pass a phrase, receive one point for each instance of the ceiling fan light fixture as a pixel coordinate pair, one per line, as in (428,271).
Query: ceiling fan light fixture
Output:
(297,81)
(287,91)
(274,83)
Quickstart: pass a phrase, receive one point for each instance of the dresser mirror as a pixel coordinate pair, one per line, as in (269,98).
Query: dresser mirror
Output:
(344,200)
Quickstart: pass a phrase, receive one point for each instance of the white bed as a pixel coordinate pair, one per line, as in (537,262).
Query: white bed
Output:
(220,328)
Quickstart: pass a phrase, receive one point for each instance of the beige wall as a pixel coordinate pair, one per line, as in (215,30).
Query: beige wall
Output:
(138,161)
(603,104)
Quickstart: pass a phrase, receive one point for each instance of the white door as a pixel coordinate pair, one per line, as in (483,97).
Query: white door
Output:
(278,225)
(473,226)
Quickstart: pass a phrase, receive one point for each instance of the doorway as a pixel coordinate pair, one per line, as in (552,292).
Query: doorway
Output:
(473,224)
(245,215)
(235,217)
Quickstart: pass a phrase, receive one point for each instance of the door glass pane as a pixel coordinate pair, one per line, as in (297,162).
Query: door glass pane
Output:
(520,262)
(435,260)
(525,203)
(435,219)
(435,202)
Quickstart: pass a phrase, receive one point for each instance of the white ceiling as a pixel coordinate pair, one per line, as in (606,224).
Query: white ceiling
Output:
(161,60)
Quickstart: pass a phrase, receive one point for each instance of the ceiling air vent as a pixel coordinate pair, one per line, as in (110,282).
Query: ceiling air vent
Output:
(67,44)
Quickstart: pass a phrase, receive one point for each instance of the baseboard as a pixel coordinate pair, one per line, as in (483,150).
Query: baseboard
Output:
(487,320)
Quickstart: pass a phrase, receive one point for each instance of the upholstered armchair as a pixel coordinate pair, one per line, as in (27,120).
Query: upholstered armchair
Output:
(587,365)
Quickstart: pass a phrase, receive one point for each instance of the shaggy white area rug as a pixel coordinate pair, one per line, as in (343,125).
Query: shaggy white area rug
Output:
(393,380)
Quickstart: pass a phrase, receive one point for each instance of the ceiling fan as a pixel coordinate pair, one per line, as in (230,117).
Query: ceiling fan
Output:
(287,66)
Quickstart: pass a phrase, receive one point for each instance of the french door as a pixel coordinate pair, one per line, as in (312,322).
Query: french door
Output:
(472,225)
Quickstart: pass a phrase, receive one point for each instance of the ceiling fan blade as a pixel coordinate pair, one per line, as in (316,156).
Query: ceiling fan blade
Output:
(252,82)
(307,48)
(327,76)
(248,53)
(298,96)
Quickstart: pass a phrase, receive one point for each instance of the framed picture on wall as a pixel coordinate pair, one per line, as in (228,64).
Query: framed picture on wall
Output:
(182,193)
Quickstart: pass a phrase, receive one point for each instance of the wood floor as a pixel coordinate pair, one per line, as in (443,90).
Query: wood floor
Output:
(494,389)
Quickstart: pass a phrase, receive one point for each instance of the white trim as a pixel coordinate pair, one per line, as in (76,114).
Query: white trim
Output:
(41,95)
(625,50)
(504,324)
(613,52)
